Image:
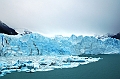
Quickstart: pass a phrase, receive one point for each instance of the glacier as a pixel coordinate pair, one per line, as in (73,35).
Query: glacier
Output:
(36,44)
(35,52)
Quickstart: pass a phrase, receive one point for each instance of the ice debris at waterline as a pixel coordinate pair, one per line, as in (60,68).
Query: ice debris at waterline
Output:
(41,63)
(35,44)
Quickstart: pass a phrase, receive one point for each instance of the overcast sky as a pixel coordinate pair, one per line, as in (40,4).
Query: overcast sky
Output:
(53,17)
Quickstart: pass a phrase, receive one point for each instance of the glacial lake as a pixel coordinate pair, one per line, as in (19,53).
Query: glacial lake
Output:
(106,68)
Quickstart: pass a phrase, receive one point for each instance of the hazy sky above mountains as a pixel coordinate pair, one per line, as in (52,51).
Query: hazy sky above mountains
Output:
(53,17)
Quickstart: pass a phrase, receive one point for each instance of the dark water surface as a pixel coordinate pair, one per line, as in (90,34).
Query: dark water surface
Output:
(107,68)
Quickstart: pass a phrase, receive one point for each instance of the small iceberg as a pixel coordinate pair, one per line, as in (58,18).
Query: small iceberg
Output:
(32,64)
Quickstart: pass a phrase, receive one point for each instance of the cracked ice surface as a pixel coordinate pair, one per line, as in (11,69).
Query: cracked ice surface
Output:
(41,63)
(36,44)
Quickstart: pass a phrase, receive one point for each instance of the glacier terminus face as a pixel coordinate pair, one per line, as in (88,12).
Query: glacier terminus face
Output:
(36,44)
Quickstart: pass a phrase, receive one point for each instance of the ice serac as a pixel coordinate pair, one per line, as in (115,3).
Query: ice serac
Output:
(36,44)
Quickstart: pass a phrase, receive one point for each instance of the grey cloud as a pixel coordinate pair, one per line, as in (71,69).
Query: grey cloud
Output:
(62,16)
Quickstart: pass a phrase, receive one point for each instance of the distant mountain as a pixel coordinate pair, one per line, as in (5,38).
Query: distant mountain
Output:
(117,36)
(6,29)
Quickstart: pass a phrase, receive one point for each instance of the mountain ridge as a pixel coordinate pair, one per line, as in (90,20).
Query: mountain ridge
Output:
(6,29)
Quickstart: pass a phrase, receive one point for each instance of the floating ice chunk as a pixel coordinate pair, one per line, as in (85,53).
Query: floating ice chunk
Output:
(41,63)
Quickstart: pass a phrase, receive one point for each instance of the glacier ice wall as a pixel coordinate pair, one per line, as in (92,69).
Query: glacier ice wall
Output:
(36,44)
